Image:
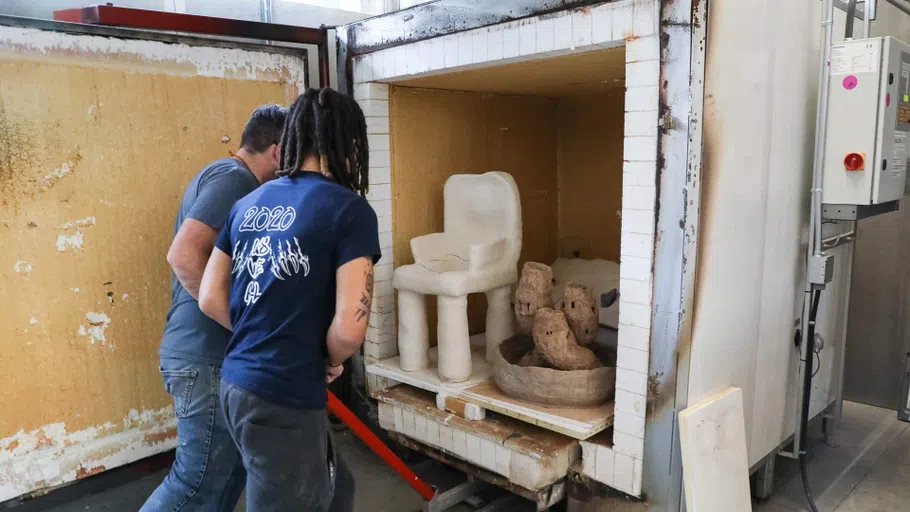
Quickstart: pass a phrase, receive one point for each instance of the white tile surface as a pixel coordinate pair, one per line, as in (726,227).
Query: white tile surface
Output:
(640,173)
(459,446)
(379,142)
(420,427)
(623,472)
(638,198)
(634,337)
(642,149)
(408,425)
(562,31)
(424,57)
(622,20)
(635,244)
(589,459)
(640,124)
(638,221)
(632,359)
(527,36)
(643,73)
(478,46)
(437,50)
(465,48)
(642,98)
(629,424)
(399,421)
(494,43)
(644,18)
(630,403)
(385,240)
(546,35)
(451,49)
(375,108)
(376,125)
(472,445)
(629,445)
(488,454)
(371,91)
(633,382)
(637,269)
(380,175)
(432,432)
(382,272)
(380,192)
(643,48)
(635,315)
(510,43)
(602,24)
(637,476)
(446,438)
(384,223)
(503,460)
(605,465)
(582,25)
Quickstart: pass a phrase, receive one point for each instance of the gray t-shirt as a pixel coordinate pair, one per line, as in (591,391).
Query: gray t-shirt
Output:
(189,334)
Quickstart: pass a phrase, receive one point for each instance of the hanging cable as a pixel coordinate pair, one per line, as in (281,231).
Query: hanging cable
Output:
(808,349)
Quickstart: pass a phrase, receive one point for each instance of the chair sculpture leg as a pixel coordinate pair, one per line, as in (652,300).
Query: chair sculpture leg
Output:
(500,320)
(413,336)
(454,339)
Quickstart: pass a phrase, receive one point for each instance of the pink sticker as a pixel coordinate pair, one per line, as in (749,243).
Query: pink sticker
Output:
(888,99)
(850,82)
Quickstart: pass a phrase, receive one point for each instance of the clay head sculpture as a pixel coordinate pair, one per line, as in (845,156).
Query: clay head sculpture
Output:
(535,291)
(554,339)
(581,312)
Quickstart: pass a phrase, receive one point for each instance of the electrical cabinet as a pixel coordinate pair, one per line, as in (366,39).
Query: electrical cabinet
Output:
(868,122)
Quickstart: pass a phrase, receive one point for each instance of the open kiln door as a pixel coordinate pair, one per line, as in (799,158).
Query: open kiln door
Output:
(98,138)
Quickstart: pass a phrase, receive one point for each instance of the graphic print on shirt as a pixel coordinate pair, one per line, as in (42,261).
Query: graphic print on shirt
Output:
(269,252)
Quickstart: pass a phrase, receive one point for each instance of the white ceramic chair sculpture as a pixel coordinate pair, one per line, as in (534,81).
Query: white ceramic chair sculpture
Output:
(477,252)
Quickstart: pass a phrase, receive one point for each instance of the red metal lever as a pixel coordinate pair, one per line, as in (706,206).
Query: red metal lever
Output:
(363,432)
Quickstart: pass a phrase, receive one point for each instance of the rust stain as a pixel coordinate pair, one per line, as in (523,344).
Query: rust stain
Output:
(159,437)
(83,472)
(43,440)
(12,446)
(654,386)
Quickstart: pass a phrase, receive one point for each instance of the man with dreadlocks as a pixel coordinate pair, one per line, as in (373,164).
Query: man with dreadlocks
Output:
(207,473)
(292,275)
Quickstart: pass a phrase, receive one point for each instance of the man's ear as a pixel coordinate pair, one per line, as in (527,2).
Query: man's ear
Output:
(276,154)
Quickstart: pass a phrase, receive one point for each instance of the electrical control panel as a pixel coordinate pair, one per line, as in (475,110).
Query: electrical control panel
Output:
(868,129)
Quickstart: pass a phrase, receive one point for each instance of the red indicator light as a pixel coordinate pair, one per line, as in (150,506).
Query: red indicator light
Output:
(855,161)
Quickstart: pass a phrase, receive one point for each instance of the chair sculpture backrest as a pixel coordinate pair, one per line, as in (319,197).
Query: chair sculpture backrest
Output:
(482,208)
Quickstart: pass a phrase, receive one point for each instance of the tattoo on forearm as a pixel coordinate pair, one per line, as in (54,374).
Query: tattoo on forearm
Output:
(366,297)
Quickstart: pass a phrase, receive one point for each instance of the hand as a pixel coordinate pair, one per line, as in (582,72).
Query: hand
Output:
(333,372)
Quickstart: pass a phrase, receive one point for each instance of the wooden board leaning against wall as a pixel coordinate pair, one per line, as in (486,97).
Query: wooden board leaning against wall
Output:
(98,138)
(564,153)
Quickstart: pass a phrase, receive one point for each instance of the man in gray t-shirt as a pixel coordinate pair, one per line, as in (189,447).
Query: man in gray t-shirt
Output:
(208,473)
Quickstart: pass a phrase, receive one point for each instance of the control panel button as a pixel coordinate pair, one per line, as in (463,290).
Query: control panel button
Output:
(854,161)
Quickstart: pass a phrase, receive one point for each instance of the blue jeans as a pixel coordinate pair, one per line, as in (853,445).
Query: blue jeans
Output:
(207,474)
(289,454)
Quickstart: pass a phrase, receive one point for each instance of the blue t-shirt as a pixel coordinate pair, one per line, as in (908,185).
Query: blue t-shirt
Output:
(286,241)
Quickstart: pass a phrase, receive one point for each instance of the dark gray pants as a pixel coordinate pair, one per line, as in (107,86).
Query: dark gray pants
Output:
(289,455)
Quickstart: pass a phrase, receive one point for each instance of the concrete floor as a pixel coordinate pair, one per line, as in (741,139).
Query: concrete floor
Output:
(864,468)
(379,489)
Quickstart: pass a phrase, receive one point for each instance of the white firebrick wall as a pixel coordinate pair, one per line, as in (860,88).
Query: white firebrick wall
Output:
(617,462)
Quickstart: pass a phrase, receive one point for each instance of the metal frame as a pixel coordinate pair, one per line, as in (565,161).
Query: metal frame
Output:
(108,15)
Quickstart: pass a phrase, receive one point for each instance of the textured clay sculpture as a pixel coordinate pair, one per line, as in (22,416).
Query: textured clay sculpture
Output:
(535,291)
(581,312)
(554,339)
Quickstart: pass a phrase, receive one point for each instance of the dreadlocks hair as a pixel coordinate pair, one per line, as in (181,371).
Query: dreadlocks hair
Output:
(264,128)
(330,125)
